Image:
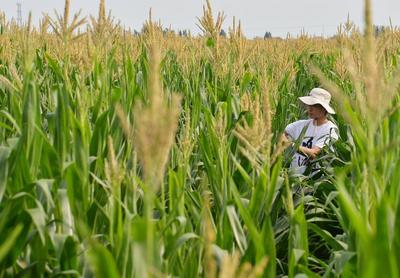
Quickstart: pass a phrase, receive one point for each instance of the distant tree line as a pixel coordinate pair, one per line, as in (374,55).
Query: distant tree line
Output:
(187,33)
(378,29)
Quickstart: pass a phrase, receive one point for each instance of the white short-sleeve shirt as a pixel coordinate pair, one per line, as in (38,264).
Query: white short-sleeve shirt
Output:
(314,136)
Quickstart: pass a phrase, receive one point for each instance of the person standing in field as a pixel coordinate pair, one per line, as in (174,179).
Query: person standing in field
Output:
(314,133)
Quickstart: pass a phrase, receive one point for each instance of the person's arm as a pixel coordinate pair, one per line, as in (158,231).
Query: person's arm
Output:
(290,130)
(312,153)
(321,142)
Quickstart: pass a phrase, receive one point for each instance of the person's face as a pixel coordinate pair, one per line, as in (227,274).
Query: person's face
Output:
(316,111)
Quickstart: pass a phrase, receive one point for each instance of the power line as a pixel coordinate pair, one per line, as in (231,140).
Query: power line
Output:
(19,13)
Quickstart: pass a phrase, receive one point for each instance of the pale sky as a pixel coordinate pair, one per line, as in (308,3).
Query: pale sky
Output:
(316,17)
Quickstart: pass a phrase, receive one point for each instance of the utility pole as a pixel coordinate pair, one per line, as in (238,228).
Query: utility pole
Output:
(19,14)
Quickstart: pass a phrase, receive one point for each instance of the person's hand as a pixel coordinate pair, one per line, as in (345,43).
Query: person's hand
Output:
(311,153)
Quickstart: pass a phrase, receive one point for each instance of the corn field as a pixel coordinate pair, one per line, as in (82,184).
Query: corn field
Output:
(155,155)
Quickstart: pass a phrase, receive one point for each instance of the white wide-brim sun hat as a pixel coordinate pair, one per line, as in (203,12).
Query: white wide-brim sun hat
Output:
(318,96)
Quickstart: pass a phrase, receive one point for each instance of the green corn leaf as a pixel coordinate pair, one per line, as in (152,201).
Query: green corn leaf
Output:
(102,262)
(10,241)
(39,220)
(4,154)
(237,229)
